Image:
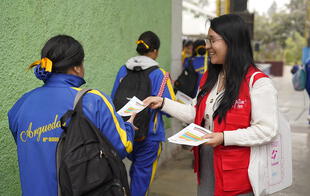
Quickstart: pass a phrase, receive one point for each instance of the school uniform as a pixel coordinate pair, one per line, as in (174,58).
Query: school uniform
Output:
(35,124)
(146,153)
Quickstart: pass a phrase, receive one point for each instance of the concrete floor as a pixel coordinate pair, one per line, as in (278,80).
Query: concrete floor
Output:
(176,178)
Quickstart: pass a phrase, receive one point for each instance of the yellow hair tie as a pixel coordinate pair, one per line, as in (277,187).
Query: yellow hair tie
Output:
(142,42)
(201,46)
(44,62)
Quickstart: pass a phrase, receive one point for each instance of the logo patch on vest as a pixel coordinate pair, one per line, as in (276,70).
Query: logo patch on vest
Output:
(240,104)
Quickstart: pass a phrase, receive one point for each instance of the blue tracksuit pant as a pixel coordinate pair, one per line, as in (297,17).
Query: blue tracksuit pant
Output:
(144,158)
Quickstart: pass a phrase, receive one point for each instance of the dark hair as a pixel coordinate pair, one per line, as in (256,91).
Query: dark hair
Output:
(239,57)
(187,43)
(199,47)
(64,51)
(152,41)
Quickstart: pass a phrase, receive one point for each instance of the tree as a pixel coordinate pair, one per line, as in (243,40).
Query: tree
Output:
(294,45)
(273,8)
(277,31)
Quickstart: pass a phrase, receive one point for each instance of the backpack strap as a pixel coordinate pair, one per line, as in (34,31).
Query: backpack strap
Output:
(69,113)
(58,154)
(190,62)
(79,95)
(160,93)
(64,119)
(138,68)
(163,83)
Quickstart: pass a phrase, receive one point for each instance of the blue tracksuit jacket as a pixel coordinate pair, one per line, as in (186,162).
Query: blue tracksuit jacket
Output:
(156,129)
(35,124)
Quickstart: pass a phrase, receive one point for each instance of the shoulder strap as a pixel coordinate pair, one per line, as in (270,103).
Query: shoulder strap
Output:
(190,61)
(163,83)
(79,95)
(251,82)
(63,119)
(150,69)
(138,69)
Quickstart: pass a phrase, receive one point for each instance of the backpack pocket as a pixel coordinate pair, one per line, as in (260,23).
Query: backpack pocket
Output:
(87,170)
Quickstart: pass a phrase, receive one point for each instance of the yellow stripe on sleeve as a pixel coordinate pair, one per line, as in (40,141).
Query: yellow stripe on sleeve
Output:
(169,85)
(121,132)
(199,69)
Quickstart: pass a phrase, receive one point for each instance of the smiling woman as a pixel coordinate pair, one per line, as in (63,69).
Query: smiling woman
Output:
(217,47)
(236,115)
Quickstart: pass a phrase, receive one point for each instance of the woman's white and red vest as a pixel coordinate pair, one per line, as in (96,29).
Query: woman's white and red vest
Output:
(230,162)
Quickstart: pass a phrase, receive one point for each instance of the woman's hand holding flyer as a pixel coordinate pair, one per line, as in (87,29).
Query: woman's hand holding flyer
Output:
(135,105)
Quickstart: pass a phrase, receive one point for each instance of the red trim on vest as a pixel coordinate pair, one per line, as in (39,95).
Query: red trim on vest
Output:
(230,162)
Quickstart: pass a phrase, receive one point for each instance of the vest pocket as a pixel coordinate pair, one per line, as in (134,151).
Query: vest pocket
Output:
(237,120)
(235,164)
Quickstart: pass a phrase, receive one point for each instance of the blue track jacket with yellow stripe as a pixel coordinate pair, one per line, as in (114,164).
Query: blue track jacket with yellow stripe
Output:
(35,124)
(156,126)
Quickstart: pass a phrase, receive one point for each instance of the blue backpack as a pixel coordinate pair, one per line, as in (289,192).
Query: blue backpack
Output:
(300,79)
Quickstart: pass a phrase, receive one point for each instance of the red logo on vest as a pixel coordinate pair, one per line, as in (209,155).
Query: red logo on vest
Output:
(239,104)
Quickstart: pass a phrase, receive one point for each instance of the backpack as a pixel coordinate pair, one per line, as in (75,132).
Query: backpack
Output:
(187,81)
(299,79)
(136,83)
(87,163)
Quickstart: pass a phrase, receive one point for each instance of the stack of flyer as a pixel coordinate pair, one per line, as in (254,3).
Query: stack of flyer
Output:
(190,135)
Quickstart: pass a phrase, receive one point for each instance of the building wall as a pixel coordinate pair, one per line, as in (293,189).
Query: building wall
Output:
(107,29)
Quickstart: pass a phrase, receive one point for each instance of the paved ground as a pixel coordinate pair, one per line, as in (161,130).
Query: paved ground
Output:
(176,177)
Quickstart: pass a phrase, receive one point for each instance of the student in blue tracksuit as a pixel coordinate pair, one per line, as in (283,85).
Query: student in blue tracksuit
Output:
(146,153)
(198,60)
(35,118)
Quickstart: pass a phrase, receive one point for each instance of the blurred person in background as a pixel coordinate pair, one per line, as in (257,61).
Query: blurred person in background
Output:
(187,49)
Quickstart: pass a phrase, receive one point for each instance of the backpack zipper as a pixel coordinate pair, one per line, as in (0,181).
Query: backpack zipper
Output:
(102,154)
(124,190)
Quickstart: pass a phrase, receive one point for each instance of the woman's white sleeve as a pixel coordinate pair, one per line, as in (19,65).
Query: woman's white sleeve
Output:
(264,117)
(183,112)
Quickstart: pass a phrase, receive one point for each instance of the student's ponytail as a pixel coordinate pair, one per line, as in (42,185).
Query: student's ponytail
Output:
(147,42)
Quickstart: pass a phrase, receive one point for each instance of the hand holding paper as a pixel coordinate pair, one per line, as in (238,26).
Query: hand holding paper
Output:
(135,105)
(190,135)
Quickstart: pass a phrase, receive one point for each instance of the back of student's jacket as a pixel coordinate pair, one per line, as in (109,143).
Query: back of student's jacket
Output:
(35,124)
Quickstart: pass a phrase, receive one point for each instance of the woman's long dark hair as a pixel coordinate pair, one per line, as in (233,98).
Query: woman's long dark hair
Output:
(239,57)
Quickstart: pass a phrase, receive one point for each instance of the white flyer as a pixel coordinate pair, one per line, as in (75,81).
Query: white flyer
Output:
(134,105)
(183,98)
(190,135)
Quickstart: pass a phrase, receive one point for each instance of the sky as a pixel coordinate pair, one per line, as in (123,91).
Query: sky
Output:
(261,6)
(192,25)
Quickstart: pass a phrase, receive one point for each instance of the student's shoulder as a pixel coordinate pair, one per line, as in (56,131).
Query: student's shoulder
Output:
(30,94)
(23,100)
(94,95)
(122,70)
(159,72)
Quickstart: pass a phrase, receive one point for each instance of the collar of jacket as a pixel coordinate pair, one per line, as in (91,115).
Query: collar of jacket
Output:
(64,80)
